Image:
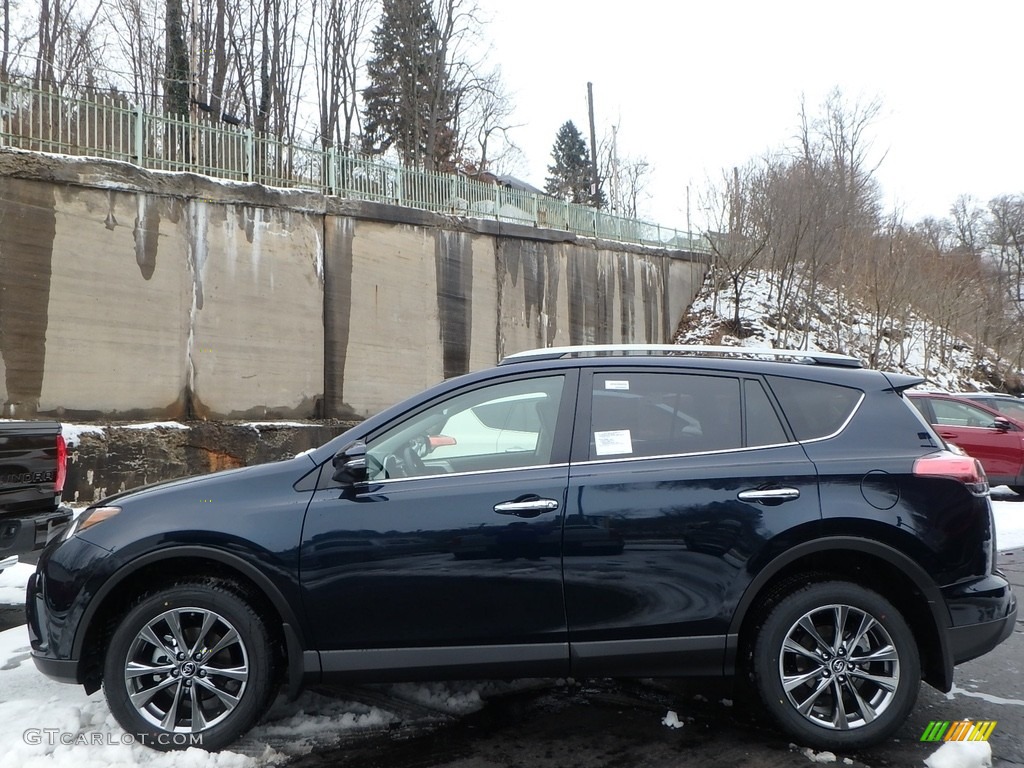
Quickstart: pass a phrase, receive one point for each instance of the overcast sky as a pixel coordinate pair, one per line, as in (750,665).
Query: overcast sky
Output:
(701,86)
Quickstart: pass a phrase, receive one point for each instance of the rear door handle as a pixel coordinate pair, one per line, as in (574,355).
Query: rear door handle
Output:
(769,495)
(526,507)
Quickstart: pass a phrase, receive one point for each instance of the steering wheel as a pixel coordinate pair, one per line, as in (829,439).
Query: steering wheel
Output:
(406,461)
(411,458)
(393,466)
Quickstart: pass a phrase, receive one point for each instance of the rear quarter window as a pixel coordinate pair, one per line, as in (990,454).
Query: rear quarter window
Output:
(814,409)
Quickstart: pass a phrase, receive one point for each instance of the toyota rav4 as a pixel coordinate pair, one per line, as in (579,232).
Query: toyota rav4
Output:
(782,517)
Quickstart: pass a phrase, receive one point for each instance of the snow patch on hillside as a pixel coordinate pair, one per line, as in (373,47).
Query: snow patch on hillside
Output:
(836,323)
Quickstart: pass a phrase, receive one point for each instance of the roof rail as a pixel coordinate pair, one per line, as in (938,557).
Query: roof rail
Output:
(683,350)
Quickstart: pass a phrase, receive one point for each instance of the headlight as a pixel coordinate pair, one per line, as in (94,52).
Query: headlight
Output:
(89,518)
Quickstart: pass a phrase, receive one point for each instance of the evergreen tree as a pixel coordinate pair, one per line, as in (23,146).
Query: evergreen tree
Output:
(408,102)
(571,174)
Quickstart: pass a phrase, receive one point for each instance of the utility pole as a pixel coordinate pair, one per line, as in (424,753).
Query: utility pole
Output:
(614,192)
(595,184)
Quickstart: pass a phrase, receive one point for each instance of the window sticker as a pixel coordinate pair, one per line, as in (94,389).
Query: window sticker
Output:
(612,442)
(616,385)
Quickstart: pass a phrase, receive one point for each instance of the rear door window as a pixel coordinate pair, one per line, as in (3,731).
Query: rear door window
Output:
(814,409)
(657,414)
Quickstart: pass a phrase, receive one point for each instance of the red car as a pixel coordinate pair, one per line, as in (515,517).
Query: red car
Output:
(994,438)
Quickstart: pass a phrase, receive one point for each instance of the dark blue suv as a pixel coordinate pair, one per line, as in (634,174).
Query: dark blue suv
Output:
(783,517)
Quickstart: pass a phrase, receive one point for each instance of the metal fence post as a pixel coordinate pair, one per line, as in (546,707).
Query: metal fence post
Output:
(332,170)
(140,151)
(398,185)
(250,154)
(497,201)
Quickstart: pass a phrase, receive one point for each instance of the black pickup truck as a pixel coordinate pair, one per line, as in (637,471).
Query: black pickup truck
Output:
(33,465)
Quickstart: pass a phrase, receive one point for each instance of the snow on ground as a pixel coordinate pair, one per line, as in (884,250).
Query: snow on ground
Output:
(961,754)
(1009,517)
(48,724)
(12,583)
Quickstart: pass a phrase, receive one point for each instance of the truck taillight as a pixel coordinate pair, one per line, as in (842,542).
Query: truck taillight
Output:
(964,468)
(62,464)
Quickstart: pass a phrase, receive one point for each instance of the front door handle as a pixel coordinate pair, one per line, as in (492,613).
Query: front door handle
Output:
(530,507)
(769,495)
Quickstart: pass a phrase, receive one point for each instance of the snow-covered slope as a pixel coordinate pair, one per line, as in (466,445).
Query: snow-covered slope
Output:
(836,323)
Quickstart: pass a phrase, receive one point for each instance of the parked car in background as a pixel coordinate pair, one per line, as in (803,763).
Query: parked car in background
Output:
(995,438)
(33,463)
(1007,404)
(784,518)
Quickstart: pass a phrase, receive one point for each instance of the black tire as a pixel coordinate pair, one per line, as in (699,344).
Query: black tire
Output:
(866,711)
(232,667)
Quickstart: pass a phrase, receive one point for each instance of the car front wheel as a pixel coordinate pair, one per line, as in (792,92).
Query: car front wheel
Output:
(189,666)
(837,666)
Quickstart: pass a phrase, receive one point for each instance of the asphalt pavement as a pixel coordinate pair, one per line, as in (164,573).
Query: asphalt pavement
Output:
(618,724)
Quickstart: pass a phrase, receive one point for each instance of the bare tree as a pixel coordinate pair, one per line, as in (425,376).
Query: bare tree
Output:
(338,44)
(968,224)
(65,44)
(1006,236)
(486,123)
(139,35)
(5,8)
(739,237)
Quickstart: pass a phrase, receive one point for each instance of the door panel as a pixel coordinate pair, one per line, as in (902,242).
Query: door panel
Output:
(453,541)
(428,562)
(683,536)
(968,427)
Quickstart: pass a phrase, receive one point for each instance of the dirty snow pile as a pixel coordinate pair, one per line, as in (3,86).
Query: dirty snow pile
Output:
(961,754)
(834,323)
(46,723)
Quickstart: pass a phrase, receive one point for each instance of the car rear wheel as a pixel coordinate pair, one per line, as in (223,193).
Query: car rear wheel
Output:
(189,666)
(837,666)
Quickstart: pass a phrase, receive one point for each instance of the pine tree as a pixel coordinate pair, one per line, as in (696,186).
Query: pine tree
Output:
(408,103)
(571,174)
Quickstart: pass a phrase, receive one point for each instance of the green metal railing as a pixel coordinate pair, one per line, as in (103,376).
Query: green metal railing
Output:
(107,126)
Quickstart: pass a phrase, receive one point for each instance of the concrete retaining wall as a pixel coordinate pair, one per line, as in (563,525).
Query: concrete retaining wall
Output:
(130,294)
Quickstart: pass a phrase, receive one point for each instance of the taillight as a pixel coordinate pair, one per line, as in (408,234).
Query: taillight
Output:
(964,468)
(62,464)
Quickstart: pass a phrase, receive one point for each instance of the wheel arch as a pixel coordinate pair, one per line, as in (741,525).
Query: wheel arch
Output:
(130,580)
(872,564)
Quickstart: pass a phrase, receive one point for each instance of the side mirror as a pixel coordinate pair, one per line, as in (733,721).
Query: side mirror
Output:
(350,464)
(1003,425)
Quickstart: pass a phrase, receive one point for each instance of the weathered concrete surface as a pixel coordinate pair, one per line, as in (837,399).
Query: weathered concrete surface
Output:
(129,294)
(123,457)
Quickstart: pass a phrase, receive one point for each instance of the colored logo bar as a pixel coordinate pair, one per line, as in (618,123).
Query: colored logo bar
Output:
(958,730)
